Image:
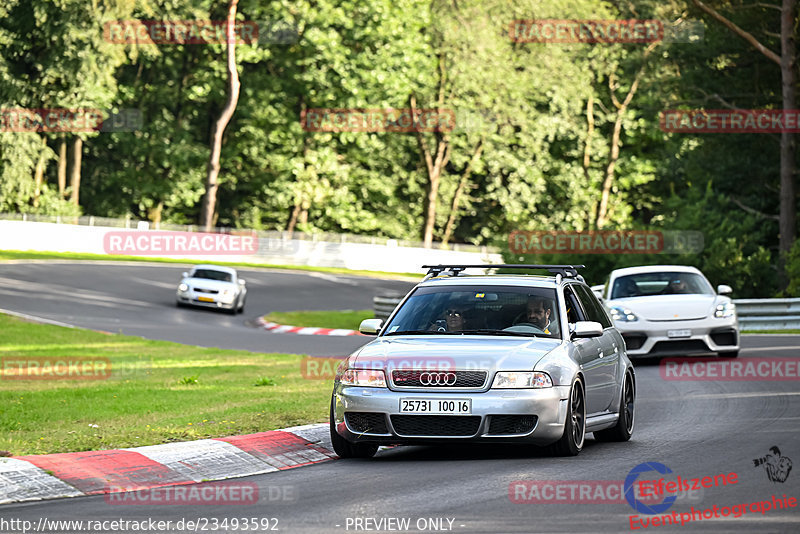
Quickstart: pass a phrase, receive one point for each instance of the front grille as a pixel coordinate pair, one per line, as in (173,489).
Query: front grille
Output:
(724,337)
(679,347)
(511,424)
(634,341)
(414,379)
(366,422)
(436,425)
(210,291)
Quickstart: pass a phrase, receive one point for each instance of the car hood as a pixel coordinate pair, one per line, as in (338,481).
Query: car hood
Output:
(205,283)
(669,307)
(454,352)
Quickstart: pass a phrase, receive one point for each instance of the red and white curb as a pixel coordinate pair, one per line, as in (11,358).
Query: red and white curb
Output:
(305,330)
(50,476)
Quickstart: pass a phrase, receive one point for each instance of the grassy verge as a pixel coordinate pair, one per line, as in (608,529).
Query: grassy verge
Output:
(349,319)
(790,331)
(34,255)
(157,392)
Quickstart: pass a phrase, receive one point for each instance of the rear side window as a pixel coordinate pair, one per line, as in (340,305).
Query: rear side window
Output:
(594,310)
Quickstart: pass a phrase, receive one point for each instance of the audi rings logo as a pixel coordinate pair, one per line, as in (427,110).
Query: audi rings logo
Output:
(437,379)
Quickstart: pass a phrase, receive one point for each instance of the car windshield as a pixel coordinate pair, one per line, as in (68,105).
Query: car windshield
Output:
(495,310)
(661,283)
(210,274)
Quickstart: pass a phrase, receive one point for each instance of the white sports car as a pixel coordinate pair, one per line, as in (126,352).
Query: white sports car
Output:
(670,309)
(212,286)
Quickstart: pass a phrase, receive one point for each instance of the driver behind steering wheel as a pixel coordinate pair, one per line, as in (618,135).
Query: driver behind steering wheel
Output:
(538,313)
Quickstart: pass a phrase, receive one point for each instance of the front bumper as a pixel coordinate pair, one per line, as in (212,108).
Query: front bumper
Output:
(549,405)
(218,301)
(652,338)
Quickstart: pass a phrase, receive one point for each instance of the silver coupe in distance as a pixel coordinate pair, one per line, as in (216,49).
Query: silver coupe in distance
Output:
(212,286)
(488,359)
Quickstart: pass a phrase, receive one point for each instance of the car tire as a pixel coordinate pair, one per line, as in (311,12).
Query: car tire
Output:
(345,449)
(623,430)
(178,304)
(241,306)
(574,436)
(729,354)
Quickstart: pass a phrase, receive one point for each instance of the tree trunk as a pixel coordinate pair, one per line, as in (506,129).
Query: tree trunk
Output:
(788,221)
(787,226)
(622,107)
(293,220)
(62,167)
(587,155)
(75,171)
(433,167)
(38,175)
(462,184)
(154,213)
(210,199)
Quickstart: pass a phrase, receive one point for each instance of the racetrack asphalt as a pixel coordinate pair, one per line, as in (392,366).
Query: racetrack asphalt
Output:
(695,428)
(139,299)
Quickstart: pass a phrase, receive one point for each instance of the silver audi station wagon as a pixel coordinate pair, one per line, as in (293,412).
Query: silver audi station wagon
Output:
(488,359)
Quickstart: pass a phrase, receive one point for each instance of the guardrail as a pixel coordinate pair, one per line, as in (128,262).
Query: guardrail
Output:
(754,314)
(768,314)
(385,304)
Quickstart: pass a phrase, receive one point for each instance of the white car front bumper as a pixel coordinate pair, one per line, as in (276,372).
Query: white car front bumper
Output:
(667,338)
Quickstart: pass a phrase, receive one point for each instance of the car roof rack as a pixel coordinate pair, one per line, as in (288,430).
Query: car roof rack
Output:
(566,271)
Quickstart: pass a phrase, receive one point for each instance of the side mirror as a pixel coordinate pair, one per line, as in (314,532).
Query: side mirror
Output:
(370,326)
(242,281)
(723,289)
(583,329)
(185,274)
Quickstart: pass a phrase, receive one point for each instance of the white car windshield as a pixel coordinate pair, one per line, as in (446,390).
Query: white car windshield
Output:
(210,274)
(660,283)
(495,310)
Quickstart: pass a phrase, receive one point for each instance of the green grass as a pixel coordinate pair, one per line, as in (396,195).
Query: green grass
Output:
(349,319)
(34,255)
(157,392)
(790,331)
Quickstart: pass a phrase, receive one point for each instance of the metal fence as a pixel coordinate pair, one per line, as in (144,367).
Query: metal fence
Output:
(768,314)
(331,237)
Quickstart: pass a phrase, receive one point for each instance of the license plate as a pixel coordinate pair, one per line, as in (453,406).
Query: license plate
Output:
(679,333)
(205,299)
(436,406)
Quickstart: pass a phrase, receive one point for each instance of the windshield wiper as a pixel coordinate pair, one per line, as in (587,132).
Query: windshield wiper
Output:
(499,333)
(419,332)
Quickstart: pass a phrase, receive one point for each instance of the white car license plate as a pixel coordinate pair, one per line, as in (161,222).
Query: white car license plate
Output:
(679,333)
(436,406)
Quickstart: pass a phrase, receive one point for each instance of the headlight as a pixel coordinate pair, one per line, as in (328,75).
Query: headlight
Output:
(725,310)
(623,315)
(521,379)
(183,288)
(227,292)
(363,377)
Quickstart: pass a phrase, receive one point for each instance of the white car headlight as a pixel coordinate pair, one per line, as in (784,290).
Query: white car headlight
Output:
(623,315)
(227,292)
(521,379)
(364,377)
(183,288)
(723,311)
